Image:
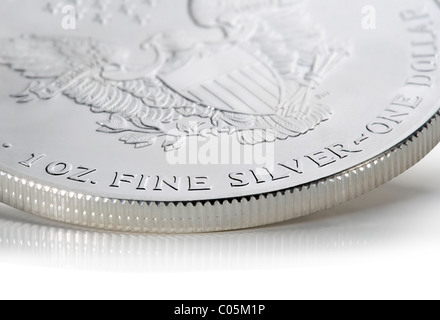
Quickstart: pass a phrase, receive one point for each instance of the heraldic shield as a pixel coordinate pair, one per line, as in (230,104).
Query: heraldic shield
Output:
(234,80)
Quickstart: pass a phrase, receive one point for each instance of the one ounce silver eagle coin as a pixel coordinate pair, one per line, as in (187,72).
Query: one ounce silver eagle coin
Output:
(194,116)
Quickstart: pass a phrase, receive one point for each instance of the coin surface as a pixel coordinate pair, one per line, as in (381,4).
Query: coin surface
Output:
(192,116)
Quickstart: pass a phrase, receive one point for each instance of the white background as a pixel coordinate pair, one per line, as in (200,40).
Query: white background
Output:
(385,244)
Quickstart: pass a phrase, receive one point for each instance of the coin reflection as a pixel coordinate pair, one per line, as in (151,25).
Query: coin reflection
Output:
(35,241)
(377,218)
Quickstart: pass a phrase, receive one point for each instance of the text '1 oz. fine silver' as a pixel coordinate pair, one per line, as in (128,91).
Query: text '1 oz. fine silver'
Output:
(193,115)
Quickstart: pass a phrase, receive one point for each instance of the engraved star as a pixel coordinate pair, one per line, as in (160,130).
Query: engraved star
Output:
(142,20)
(52,8)
(151,3)
(102,19)
(128,9)
(102,4)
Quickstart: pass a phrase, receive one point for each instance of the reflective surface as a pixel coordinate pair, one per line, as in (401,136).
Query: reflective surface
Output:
(308,81)
(398,218)
(385,244)
(381,86)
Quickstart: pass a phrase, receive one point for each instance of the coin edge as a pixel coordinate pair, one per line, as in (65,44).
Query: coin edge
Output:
(221,214)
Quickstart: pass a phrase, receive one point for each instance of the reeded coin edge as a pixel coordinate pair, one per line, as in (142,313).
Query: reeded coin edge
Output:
(223,214)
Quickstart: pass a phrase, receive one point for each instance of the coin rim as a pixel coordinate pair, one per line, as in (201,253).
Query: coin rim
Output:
(220,214)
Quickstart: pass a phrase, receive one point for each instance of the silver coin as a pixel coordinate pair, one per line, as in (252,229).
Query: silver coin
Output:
(191,116)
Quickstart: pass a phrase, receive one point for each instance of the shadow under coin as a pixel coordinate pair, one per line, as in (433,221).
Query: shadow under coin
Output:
(362,223)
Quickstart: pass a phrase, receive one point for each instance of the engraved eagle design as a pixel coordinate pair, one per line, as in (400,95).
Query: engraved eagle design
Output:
(255,80)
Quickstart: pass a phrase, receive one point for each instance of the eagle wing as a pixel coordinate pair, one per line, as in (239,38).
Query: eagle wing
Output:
(145,107)
(33,57)
(73,67)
